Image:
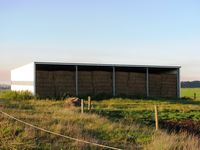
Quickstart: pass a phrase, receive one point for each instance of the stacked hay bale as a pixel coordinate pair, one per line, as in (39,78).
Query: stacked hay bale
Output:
(121,83)
(169,83)
(163,85)
(95,83)
(55,83)
(85,82)
(139,83)
(102,82)
(130,83)
(155,85)
(45,84)
(64,83)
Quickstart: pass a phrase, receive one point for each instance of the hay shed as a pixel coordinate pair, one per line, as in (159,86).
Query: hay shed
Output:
(49,80)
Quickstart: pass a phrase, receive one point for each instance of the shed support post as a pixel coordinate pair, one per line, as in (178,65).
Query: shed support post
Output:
(35,78)
(147,81)
(114,82)
(76,80)
(178,84)
(114,87)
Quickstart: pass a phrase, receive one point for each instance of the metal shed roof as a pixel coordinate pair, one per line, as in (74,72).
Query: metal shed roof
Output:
(106,65)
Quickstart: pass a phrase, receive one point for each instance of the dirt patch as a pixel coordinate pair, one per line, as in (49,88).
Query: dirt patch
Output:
(189,126)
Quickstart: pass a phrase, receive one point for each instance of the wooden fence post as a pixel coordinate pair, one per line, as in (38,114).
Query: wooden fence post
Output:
(156,117)
(89,103)
(82,106)
(195,96)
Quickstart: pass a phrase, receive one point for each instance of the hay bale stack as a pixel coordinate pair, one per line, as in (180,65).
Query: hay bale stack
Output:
(155,84)
(45,83)
(95,82)
(85,83)
(55,83)
(137,84)
(130,83)
(61,83)
(64,82)
(102,82)
(169,83)
(162,85)
(121,79)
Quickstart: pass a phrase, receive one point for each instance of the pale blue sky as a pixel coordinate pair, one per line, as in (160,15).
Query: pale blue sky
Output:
(159,32)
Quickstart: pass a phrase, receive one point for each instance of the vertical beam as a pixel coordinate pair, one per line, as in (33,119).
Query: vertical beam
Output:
(34,79)
(114,88)
(76,80)
(178,83)
(147,81)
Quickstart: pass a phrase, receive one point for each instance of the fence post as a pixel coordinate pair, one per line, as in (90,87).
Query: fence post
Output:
(195,96)
(89,103)
(82,106)
(156,117)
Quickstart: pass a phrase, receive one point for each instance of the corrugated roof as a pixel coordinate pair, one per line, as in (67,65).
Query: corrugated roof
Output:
(108,65)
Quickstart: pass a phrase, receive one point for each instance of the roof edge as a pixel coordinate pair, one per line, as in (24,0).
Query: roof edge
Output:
(108,65)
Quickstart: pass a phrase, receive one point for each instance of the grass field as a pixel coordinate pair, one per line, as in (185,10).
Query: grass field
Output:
(119,122)
(53,116)
(189,92)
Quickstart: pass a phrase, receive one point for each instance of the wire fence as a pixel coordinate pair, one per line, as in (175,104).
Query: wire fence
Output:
(57,134)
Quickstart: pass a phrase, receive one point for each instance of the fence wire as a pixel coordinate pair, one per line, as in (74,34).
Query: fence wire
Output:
(57,134)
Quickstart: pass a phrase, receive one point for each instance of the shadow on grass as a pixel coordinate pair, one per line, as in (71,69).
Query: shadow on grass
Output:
(104,96)
(16,104)
(183,100)
(139,117)
(189,126)
(146,117)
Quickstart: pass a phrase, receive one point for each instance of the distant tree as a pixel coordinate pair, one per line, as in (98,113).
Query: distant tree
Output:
(190,84)
(5,87)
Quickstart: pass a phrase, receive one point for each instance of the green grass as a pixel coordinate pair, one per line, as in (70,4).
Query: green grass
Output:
(189,92)
(143,110)
(22,95)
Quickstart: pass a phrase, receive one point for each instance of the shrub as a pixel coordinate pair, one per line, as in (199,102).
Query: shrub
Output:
(17,95)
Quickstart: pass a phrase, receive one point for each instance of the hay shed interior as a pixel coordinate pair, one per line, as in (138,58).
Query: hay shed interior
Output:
(51,80)
(62,79)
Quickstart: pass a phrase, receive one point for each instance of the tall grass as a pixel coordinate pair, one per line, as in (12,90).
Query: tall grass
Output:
(52,116)
(171,141)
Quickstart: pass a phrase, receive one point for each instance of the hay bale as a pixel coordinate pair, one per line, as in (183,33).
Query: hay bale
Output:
(95,82)
(72,102)
(130,83)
